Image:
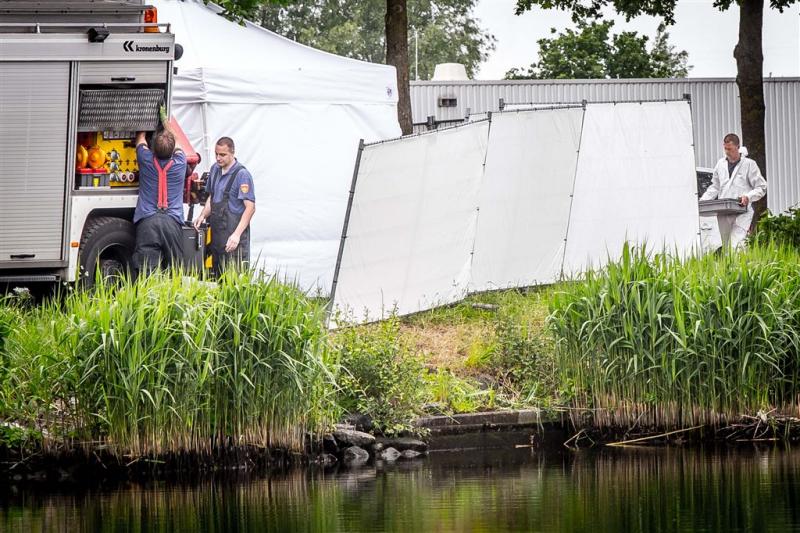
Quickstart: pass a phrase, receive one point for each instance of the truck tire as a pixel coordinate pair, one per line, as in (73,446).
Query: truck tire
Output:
(107,243)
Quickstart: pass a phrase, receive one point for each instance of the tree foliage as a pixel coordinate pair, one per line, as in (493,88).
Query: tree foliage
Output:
(244,9)
(665,61)
(630,8)
(591,51)
(446,30)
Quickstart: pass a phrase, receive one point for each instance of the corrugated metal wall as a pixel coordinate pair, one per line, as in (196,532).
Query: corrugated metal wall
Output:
(782,98)
(715,112)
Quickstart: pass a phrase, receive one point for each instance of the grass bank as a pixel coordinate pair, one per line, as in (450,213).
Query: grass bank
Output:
(168,366)
(171,366)
(490,351)
(650,342)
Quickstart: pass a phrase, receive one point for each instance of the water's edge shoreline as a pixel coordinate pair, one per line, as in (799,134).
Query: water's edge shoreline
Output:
(450,434)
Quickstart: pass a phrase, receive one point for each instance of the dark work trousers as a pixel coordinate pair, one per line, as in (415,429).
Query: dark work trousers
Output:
(223,224)
(158,243)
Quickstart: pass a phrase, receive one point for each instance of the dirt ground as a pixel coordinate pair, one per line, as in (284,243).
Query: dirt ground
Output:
(454,347)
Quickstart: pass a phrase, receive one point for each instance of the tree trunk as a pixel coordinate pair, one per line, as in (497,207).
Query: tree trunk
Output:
(397,56)
(749,78)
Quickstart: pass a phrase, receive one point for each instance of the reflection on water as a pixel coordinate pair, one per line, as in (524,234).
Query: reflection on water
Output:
(619,490)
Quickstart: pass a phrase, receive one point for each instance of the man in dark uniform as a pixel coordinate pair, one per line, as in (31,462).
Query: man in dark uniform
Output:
(159,208)
(229,208)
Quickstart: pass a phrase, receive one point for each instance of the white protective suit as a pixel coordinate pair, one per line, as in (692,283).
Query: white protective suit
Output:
(745,180)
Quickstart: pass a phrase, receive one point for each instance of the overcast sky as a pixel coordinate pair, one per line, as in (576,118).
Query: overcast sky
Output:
(708,34)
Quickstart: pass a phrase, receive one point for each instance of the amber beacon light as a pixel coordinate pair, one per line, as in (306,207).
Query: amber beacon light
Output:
(151,17)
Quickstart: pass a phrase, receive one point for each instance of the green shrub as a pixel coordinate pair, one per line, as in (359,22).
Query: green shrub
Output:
(380,376)
(783,229)
(19,438)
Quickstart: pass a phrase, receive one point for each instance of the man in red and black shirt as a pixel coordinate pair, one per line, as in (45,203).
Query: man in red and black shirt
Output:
(159,208)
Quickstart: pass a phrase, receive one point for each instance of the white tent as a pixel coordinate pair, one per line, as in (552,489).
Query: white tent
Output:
(296,115)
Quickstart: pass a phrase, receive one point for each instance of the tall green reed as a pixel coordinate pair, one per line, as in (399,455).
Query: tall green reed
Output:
(658,340)
(168,364)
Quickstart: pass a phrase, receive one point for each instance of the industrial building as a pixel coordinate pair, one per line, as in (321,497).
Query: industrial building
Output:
(714,103)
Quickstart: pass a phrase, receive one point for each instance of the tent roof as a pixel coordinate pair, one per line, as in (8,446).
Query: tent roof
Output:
(210,40)
(259,66)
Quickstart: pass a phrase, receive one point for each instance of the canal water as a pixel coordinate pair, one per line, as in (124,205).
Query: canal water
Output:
(510,488)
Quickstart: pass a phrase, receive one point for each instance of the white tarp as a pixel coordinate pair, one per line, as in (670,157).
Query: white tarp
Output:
(636,181)
(296,115)
(412,223)
(525,198)
(413,241)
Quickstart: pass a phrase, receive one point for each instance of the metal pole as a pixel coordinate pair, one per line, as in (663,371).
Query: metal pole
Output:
(344,229)
(572,194)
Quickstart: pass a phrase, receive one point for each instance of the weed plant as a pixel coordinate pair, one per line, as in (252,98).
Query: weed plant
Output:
(782,229)
(8,320)
(381,376)
(656,340)
(524,354)
(36,372)
(456,394)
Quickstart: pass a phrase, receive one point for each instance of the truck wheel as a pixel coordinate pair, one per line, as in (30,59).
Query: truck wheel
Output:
(107,244)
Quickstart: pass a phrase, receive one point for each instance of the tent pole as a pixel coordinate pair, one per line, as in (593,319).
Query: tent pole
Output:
(478,207)
(344,230)
(204,115)
(688,98)
(572,193)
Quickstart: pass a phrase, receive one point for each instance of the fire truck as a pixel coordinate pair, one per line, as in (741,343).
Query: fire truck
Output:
(78,79)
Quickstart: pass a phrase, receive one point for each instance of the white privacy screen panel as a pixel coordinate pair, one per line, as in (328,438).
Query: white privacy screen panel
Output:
(412,224)
(525,198)
(635,181)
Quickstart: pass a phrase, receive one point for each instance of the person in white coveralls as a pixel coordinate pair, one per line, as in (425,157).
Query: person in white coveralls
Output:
(736,176)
